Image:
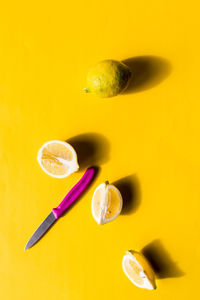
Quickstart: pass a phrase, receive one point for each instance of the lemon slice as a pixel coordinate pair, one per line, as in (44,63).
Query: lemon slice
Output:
(106,203)
(138,270)
(58,159)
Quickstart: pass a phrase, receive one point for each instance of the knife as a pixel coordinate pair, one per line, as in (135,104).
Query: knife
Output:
(56,213)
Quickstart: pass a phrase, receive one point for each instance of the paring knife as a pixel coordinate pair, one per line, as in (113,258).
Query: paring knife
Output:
(69,199)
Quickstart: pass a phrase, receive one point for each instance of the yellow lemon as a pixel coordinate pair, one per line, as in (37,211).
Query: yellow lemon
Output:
(108,78)
(106,203)
(58,159)
(138,270)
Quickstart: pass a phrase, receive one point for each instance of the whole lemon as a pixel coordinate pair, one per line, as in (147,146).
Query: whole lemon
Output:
(108,78)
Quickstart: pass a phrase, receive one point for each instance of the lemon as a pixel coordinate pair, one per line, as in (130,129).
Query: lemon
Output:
(138,270)
(106,203)
(58,159)
(108,78)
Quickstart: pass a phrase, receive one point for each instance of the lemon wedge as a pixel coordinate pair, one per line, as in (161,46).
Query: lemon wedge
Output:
(58,159)
(138,270)
(106,203)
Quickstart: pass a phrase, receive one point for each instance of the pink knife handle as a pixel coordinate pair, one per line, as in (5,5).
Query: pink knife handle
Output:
(74,193)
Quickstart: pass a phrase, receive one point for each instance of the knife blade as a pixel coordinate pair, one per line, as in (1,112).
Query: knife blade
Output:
(56,213)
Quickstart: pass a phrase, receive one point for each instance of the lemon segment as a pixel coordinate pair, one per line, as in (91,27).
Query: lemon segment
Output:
(58,159)
(106,203)
(138,270)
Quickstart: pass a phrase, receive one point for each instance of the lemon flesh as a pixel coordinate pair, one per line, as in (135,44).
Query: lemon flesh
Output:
(108,78)
(138,270)
(106,203)
(58,159)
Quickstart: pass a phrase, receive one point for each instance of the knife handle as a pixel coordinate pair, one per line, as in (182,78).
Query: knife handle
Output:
(75,192)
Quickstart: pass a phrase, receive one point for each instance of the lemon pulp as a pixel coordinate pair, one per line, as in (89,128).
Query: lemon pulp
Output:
(138,270)
(106,203)
(58,159)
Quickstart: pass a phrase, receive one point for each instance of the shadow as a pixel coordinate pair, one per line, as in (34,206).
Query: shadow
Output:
(147,72)
(161,261)
(97,170)
(91,148)
(129,188)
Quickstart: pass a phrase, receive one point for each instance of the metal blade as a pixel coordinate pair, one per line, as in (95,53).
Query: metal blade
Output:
(42,229)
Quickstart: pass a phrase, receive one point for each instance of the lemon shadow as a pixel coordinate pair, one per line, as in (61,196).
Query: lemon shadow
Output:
(147,72)
(92,149)
(161,261)
(129,188)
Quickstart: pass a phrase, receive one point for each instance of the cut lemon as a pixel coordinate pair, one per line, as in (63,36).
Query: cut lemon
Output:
(106,203)
(138,270)
(58,159)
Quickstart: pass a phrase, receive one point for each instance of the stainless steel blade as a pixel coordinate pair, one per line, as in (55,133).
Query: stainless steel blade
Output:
(41,230)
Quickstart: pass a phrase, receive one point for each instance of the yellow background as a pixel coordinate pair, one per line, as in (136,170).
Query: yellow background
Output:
(46,49)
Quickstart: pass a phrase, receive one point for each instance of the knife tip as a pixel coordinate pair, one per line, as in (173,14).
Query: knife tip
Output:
(26,247)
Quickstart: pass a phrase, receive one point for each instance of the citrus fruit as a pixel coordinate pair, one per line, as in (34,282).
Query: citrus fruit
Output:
(58,159)
(108,78)
(106,203)
(138,270)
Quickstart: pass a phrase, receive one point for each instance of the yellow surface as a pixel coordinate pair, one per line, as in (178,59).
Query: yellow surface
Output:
(46,49)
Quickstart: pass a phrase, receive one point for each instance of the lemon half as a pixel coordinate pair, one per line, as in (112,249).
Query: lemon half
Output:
(58,159)
(138,270)
(106,203)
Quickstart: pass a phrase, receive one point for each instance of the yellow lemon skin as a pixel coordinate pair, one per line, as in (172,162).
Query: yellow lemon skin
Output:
(108,78)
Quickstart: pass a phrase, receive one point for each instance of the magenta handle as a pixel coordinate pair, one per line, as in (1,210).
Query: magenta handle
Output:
(74,193)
